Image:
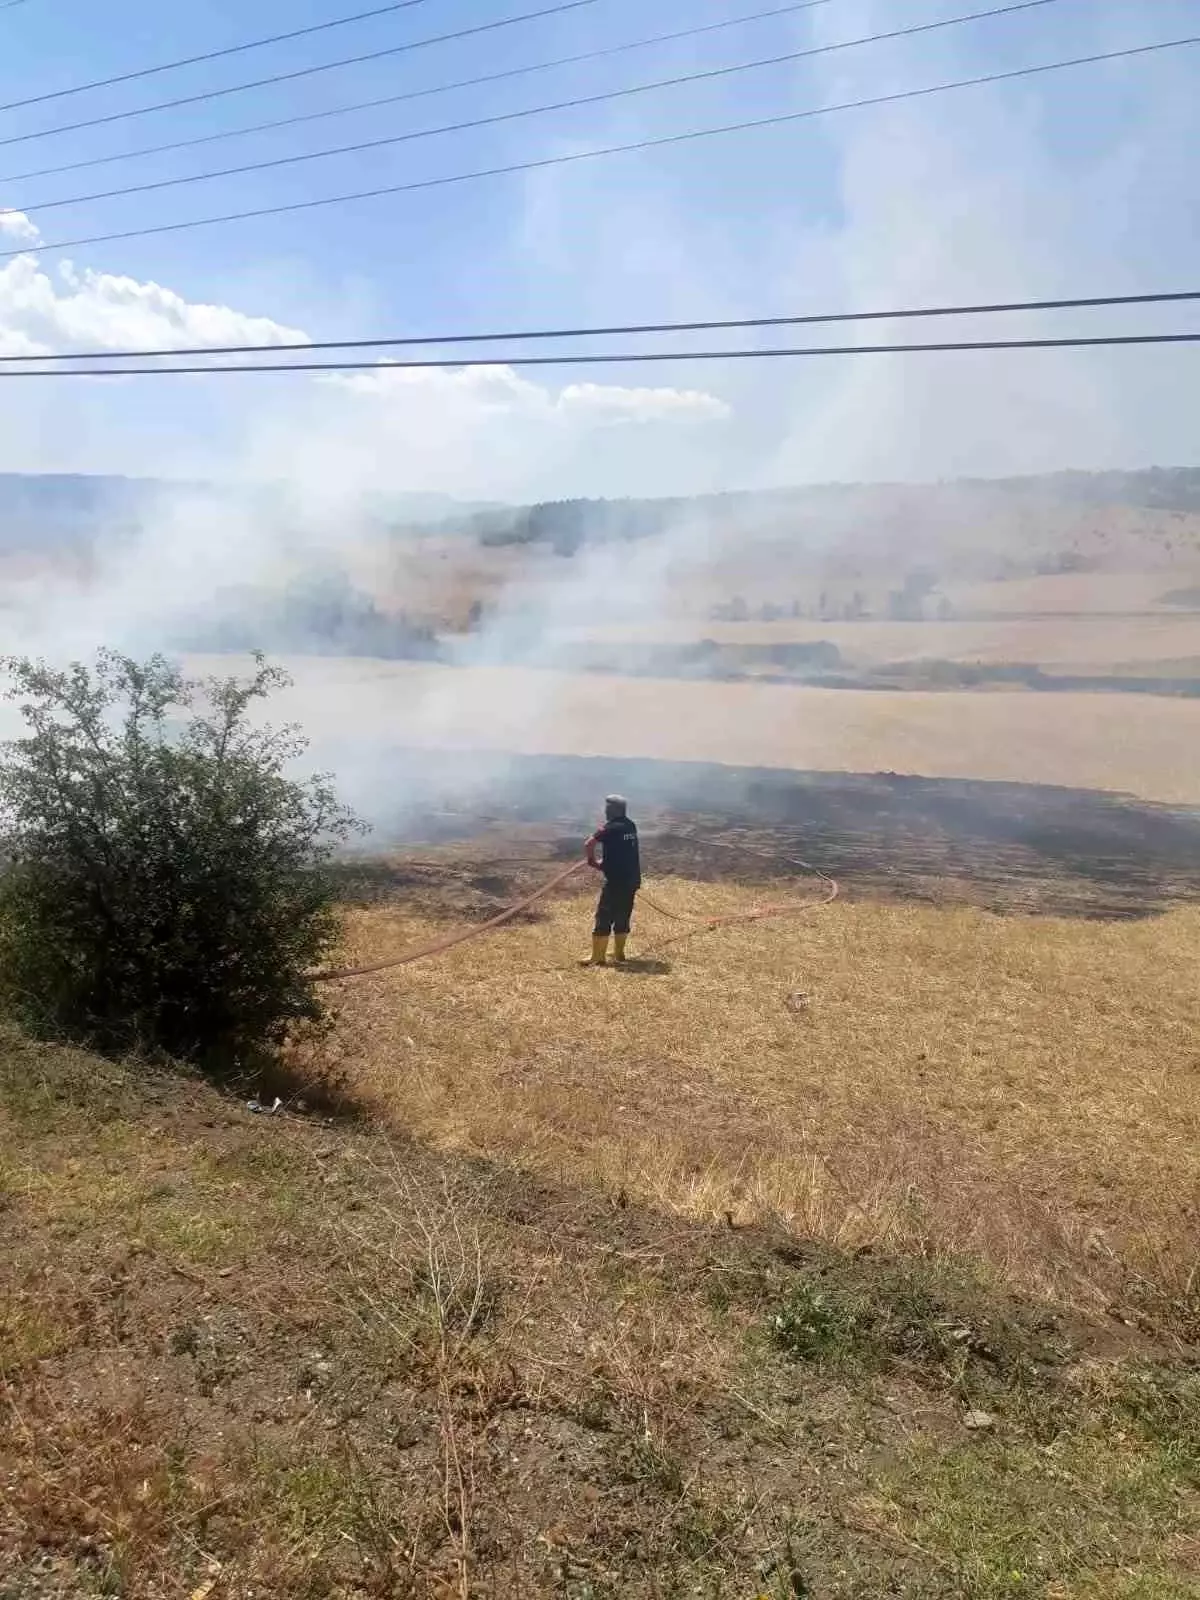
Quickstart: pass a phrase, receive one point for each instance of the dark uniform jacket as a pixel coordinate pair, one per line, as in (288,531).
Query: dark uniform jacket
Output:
(619,861)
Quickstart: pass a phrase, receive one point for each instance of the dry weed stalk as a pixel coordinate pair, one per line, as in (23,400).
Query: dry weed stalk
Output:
(425,1242)
(454,1279)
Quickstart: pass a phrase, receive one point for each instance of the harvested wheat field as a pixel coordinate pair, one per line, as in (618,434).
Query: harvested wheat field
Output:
(356,710)
(1093,643)
(1023,1091)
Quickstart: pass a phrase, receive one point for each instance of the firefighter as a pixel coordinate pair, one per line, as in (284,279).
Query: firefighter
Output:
(617,842)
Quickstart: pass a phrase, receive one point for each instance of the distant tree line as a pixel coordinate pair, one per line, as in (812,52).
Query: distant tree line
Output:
(324,615)
(1155,488)
(912,602)
(566,525)
(827,609)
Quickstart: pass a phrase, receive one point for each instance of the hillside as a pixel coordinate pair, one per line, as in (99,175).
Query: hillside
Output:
(79,508)
(860,515)
(383,574)
(35,503)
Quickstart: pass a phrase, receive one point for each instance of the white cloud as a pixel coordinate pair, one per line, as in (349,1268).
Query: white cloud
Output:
(15,225)
(492,433)
(476,431)
(610,403)
(491,388)
(82,309)
(501,389)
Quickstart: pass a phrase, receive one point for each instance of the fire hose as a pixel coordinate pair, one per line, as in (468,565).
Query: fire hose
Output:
(782,908)
(438,945)
(779,908)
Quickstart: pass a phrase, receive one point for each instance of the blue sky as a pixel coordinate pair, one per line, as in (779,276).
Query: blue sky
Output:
(1071,183)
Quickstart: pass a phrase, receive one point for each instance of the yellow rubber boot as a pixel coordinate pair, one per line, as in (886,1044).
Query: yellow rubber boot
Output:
(619,946)
(599,950)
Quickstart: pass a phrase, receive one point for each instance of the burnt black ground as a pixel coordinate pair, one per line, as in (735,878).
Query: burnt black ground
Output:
(1010,847)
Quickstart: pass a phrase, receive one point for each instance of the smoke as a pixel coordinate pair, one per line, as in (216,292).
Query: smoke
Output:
(271,488)
(1060,186)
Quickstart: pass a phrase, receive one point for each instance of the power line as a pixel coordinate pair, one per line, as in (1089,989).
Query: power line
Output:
(213,55)
(308,72)
(570,157)
(615,358)
(738,324)
(411,94)
(575,102)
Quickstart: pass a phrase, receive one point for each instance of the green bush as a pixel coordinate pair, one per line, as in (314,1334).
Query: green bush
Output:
(165,889)
(817,1324)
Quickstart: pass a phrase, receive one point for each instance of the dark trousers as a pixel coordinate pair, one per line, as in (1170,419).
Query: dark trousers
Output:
(615,908)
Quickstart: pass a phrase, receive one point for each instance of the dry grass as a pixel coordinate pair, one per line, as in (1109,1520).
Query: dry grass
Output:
(1080,644)
(1010,737)
(264,1358)
(1082,592)
(1023,1090)
(867,549)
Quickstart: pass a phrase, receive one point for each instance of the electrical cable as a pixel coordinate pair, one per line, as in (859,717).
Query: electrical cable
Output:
(213,55)
(308,72)
(568,158)
(737,324)
(621,358)
(411,94)
(575,102)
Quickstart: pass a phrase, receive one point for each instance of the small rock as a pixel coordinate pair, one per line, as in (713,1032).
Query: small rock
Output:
(979,1421)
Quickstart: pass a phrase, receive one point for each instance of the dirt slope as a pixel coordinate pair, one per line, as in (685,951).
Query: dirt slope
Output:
(247,1356)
